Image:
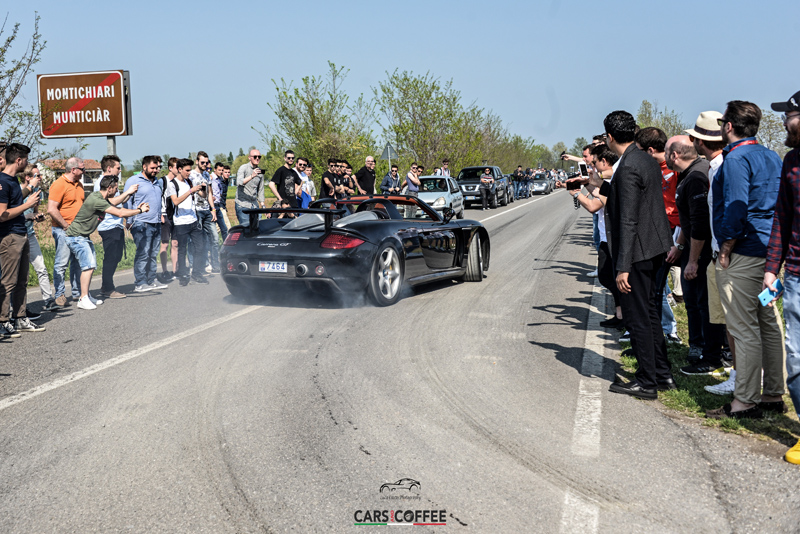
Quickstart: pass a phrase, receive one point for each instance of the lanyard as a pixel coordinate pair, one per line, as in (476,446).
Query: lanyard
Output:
(743,143)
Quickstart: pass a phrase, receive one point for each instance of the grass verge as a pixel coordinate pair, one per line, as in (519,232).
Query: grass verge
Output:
(693,400)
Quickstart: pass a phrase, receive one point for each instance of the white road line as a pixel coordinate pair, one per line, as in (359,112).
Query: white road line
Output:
(78,375)
(580,515)
(512,209)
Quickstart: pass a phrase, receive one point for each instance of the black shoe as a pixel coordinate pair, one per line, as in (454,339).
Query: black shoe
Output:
(666,385)
(32,315)
(199,280)
(628,352)
(215,270)
(613,322)
(50,306)
(184,281)
(701,368)
(634,390)
(774,406)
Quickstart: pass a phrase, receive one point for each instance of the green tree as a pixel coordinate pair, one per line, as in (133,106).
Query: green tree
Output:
(18,124)
(425,120)
(771,133)
(669,121)
(577,146)
(230,158)
(241,152)
(318,121)
(221,158)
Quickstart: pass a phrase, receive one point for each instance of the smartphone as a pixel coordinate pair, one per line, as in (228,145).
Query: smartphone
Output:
(571,186)
(767,295)
(584,169)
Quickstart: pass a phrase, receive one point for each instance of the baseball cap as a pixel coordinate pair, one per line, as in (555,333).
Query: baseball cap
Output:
(793,104)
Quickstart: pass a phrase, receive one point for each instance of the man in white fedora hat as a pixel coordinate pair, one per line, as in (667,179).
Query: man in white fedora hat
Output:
(707,139)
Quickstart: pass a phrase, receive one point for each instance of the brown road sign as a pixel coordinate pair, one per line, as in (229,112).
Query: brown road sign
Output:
(83,104)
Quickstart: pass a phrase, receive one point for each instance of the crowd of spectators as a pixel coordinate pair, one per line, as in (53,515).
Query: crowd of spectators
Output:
(721,208)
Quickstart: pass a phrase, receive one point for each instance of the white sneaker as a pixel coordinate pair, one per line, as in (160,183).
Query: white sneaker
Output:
(96,302)
(86,304)
(724,388)
(625,338)
(208,268)
(593,274)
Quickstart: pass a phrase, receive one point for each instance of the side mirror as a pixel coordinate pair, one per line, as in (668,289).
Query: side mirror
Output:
(448,214)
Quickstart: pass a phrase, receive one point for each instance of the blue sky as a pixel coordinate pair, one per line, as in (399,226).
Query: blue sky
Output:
(201,71)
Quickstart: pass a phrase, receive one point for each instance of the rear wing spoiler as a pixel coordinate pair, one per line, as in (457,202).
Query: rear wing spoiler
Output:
(326,213)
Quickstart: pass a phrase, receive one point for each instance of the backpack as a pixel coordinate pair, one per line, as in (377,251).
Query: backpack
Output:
(168,205)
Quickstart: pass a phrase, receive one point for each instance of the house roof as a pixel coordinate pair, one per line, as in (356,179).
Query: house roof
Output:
(60,164)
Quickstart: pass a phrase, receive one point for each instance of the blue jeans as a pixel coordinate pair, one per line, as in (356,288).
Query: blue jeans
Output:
(223,228)
(211,236)
(147,237)
(518,189)
(83,249)
(596,231)
(791,314)
(668,323)
(63,258)
(243,218)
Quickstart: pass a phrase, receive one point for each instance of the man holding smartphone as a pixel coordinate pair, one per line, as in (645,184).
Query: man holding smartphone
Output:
(782,250)
(249,186)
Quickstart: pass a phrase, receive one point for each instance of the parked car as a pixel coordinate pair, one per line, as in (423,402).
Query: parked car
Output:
(469,178)
(441,192)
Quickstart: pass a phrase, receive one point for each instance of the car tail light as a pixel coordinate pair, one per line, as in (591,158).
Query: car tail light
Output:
(339,241)
(232,239)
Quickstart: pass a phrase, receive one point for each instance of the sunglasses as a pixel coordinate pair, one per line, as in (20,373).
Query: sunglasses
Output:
(303,165)
(256,157)
(36,175)
(82,169)
(722,120)
(290,157)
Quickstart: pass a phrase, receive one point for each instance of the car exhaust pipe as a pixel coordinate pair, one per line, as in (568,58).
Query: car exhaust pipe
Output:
(242,267)
(301,270)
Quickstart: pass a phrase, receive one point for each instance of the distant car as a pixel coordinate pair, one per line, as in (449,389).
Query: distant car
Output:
(469,179)
(441,192)
(541,185)
(403,484)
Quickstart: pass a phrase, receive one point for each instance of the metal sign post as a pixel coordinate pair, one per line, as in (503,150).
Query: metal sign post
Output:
(389,153)
(111,145)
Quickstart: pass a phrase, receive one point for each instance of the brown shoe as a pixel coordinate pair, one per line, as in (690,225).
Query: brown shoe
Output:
(61,301)
(116,295)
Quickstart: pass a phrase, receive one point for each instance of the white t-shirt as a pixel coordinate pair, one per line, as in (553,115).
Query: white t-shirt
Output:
(715,164)
(601,214)
(185,211)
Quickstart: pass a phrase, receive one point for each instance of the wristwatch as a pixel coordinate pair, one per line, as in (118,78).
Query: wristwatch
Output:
(680,247)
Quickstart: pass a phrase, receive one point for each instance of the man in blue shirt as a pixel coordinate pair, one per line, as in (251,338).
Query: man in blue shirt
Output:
(14,246)
(146,227)
(745,190)
(112,231)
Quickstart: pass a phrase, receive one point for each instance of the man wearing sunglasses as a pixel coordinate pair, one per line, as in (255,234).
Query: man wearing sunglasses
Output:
(285,183)
(206,214)
(249,186)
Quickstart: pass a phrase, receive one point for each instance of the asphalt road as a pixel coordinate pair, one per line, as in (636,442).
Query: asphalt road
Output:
(188,411)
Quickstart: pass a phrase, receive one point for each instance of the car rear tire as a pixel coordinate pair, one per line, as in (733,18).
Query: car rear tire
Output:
(474,261)
(386,276)
(504,199)
(494,201)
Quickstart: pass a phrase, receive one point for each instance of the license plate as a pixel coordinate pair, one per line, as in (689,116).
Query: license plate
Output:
(272,266)
(470,196)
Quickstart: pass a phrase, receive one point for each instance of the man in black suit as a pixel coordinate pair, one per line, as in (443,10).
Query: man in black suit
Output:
(640,238)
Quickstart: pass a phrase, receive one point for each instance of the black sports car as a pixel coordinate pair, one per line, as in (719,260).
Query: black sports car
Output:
(373,243)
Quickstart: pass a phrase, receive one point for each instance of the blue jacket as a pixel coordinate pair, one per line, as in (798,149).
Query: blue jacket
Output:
(388,182)
(745,191)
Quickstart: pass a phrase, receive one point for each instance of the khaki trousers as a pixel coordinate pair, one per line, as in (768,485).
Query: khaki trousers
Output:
(716,315)
(756,329)
(14,259)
